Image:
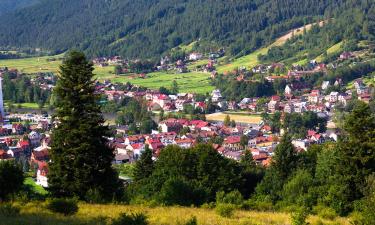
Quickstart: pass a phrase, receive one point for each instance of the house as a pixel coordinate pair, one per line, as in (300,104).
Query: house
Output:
(34,138)
(233,143)
(235,155)
(289,107)
(314,96)
(4,155)
(216,96)
(38,157)
(41,175)
(288,91)
(325,85)
(195,56)
(303,144)
(333,96)
(134,139)
(184,142)
(137,149)
(170,125)
(121,158)
(273,106)
(346,55)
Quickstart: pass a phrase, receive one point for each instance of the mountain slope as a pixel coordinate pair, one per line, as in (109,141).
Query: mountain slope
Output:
(148,28)
(11,5)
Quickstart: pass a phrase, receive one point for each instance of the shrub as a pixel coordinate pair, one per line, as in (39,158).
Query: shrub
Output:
(192,221)
(325,212)
(206,205)
(8,210)
(299,217)
(259,205)
(131,219)
(233,197)
(225,210)
(63,206)
(11,178)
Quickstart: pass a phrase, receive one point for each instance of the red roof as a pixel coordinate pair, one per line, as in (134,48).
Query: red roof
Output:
(232,140)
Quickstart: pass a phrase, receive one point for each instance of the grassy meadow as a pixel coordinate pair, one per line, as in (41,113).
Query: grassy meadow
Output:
(33,213)
(251,59)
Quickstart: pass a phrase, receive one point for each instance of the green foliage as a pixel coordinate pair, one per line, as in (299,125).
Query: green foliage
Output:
(81,157)
(192,221)
(240,26)
(144,166)
(179,191)
(188,176)
(19,89)
(299,217)
(135,114)
(298,124)
(325,212)
(131,219)
(66,207)
(233,197)
(225,210)
(11,178)
(296,190)
(8,210)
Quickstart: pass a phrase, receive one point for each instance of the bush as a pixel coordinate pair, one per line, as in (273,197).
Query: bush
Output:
(233,197)
(225,210)
(8,210)
(11,178)
(131,219)
(63,206)
(259,205)
(206,205)
(325,212)
(299,217)
(192,221)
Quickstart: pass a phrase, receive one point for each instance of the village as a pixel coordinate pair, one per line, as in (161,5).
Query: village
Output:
(26,137)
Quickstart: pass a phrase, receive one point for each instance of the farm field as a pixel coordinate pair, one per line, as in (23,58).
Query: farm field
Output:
(45,64)
(35,213)
(238,117)
(194,82)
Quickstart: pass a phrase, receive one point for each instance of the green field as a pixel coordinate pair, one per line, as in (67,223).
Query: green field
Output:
(332,50)
(192,82)
(44,64)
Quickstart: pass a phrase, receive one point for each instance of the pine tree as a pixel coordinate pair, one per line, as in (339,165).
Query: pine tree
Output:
(285,157)
(80,153)
(144,166)
(227,121)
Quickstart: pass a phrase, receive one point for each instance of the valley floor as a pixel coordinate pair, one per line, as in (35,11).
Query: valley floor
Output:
(35,213)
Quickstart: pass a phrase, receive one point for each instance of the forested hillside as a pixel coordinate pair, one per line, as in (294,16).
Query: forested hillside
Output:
(11,5)
(149,28)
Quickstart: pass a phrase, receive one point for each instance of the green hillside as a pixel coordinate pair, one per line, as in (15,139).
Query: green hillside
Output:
(149,28)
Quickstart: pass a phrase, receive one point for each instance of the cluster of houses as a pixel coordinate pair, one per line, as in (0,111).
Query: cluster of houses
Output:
(27,143)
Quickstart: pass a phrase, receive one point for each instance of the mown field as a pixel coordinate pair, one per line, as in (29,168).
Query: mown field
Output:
(35,213)
(238,117)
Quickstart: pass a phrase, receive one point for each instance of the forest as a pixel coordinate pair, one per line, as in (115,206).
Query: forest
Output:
(148,29)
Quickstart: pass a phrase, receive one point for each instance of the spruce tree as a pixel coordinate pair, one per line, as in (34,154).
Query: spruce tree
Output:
(80,153)
(144,166)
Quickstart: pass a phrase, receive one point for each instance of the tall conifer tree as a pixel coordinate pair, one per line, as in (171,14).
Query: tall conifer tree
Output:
(80,154)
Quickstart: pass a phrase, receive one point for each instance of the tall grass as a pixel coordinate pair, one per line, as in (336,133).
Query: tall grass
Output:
(34,213)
